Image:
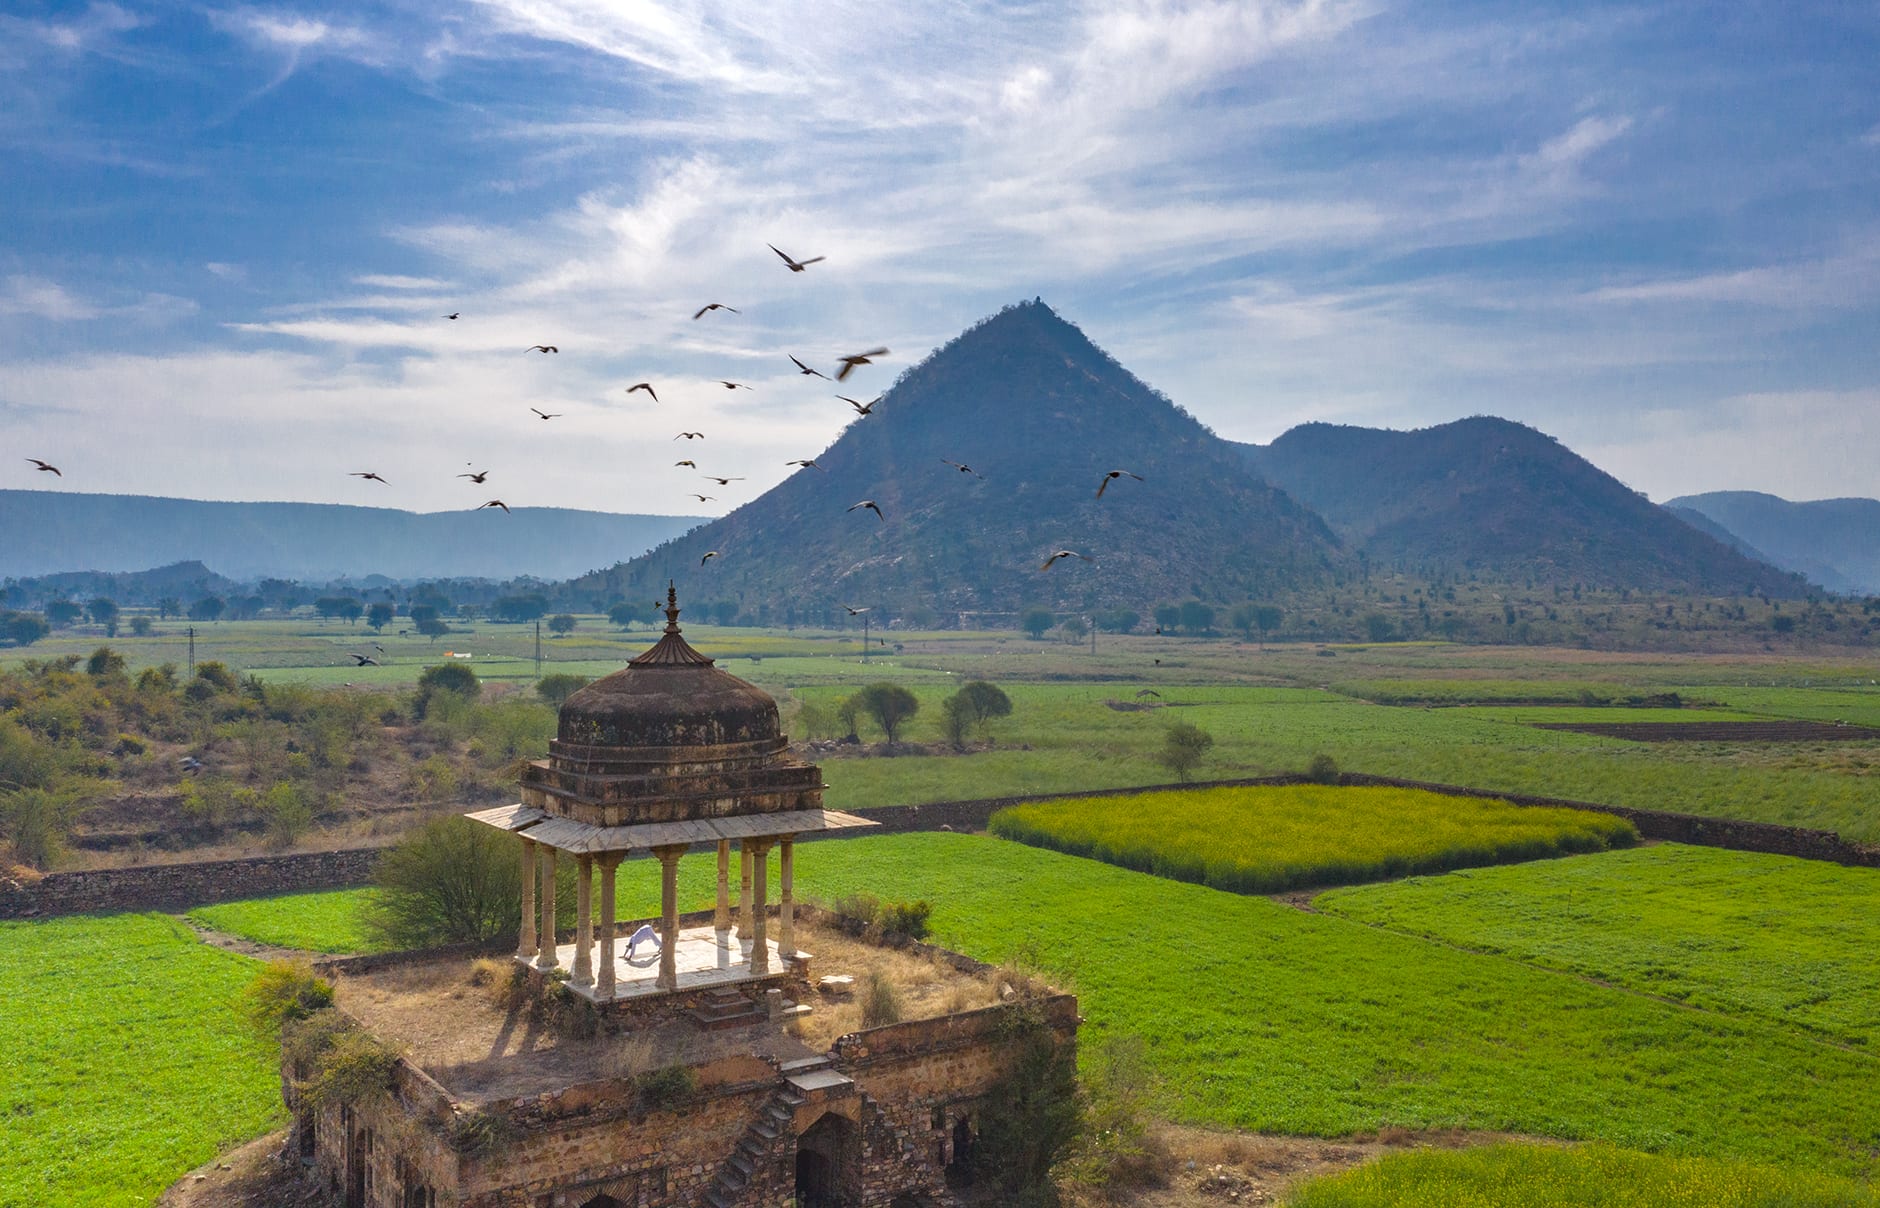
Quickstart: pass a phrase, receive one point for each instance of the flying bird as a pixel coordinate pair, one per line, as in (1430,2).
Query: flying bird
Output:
(709,555)
(963,468)
(806,369)
(494,503)
(705,498)
(856,612)
(549,415)
(850,362)
(477,477)
(711,306)
(870,505)
(542,348)
(690,436)
(808,463)
(455,314)
(369,475)
(861,408)
(47,466)
(796,266)
(731,385)
(646,386)
(1063,553)
(723,482)
(687,462)
(364,660)
(190,764)
(1112,476)
(1148,692)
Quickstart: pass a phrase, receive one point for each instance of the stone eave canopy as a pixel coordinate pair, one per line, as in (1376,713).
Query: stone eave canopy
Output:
(583,839)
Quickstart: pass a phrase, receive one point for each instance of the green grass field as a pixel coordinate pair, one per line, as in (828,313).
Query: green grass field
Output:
(1261,1016)
(1789,941)
(1540,1176)
(125,1062)
(1263,840)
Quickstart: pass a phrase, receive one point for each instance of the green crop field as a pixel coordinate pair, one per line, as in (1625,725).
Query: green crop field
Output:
(1261,1016)
(1262,840)
(1541,1176)
(1790,941)
(124,1060)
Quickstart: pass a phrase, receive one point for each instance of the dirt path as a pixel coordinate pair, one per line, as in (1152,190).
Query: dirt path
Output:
(235,943)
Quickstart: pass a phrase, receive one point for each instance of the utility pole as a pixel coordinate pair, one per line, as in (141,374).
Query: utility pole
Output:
(864,637)
(192,650)
(538,649)
(1093,634)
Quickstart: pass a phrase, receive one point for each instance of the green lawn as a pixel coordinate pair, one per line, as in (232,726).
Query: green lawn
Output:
(1790,941)
(1266,839)
(123,1062)
(1540,1176)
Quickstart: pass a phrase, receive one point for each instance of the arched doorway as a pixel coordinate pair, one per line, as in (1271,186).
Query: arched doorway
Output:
(959,1171)
(828,1164)
(602,1201)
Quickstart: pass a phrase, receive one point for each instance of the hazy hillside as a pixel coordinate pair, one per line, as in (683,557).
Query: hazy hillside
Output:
(1835,542)
(1496,497)
(1026,400)
(53,531)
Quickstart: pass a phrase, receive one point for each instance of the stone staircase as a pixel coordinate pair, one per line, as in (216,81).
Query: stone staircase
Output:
(762,1142)
(726,1007)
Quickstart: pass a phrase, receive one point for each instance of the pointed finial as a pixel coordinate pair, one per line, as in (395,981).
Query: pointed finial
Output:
(672,607)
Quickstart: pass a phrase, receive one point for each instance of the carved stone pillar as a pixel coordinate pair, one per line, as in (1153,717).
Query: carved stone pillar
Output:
(669,915)
(525,943)
(744,894)
(545,959)
(721,917)
(786,900)
(760,949)
(583,972)
(604,985)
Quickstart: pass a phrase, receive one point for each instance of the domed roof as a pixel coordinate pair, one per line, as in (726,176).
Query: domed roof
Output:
(670,697)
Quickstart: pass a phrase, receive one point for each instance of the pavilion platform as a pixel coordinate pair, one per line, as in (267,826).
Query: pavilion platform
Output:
(704,958)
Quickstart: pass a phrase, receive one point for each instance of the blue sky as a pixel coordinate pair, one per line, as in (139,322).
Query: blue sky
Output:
(232,230)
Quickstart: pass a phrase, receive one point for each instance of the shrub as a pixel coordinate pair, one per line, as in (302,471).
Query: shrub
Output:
(288,814)
(1323,769)
(477,1133)
(905,919)
(561,623)
(880,1001)
(351,1067)
(284,992)
(669,1087)
(1029,1120)
(1117,1149)
(1036,622)
(454,881)
(974,705)
(35,822)
(431,779)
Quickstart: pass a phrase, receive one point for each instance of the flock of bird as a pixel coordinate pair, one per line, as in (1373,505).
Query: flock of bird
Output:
(846,366)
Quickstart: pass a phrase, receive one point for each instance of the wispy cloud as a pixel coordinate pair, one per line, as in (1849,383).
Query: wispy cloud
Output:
(40,298)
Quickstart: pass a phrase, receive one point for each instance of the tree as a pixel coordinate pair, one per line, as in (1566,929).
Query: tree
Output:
(1377,627)
(561,623)
(61,613)
(141,626)
(379,614)
(974,705)
(1167,617)
(1266,618)
(725,611)
(209,608)
(1118,620)
(521,608)
(1780,623)
(1074,629)
(169,606)
(1183,746)
(328,607)
(1036,621)
(454,678)
(104,663)
(453,882)
(624,614)
(351,610)
(23,628)
(432,627)
(557,688)
(1196,617)
(103,612)
(890,705)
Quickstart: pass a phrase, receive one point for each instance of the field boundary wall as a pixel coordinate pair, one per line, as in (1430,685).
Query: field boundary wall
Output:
(181,886)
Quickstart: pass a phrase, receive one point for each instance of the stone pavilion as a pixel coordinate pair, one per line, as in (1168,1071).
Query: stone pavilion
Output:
(705,1070)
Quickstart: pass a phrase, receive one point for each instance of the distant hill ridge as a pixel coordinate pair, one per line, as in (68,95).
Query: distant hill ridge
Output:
(1027,401)
(48,532)
(1835,542)
(1490,495)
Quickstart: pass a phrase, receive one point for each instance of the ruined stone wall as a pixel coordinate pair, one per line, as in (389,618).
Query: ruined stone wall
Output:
(180,886)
